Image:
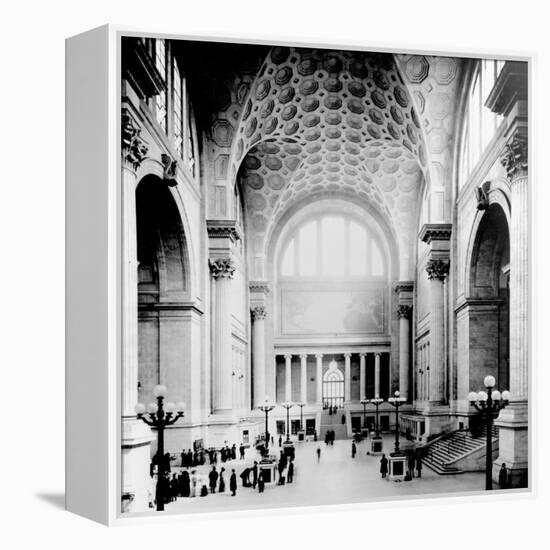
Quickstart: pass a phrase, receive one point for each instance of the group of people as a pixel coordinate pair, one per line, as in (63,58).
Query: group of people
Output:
(190,459)
(332,409)
(414,463)
(329,437)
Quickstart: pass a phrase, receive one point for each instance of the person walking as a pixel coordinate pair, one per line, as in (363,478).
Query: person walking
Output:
(419,465)
(503,477)
(318,454)
(241,452)
(213,478)
(343,419)
(221,487)
(353,449)
(280,441)
(290,472)
(261,482)
(233,483)
(384,466)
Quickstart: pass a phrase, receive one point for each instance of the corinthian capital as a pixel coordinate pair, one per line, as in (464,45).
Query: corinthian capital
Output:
(134,148)
(437,269)
(222,268)
(259,313)
(514,158)
(404,311)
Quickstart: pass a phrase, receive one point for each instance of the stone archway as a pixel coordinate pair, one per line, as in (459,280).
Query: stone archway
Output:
(167,322)
(483,317)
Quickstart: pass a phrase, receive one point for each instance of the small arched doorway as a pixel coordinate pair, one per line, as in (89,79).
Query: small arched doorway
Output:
(333,387)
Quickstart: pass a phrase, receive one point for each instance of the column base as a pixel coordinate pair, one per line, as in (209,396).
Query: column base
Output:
(513,444)
(137,485)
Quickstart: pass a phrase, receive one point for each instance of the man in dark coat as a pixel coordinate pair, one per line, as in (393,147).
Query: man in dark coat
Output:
(290,472)
(280,441)
(384,466)
(254,475)
(241,451)
(419,465)
(503,477)
(261,482)
(213,478)
(353,449)
(244,477)
(185,484)
(233,452)
(233,483)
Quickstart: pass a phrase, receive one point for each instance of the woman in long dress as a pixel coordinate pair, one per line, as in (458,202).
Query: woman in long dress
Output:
(221,487)
(193,484)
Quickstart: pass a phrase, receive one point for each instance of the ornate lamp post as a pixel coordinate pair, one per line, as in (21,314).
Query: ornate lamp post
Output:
(266,407)
(160,416)
(364,402)
(288,405)
(397,401)
(301,404)
(489,404)
(377,401)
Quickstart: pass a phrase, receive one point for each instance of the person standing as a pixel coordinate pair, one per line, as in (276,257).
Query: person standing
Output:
(411,460)
(233,452)
(318,454)
(261,482)
(290,471)
(185,484)
(353,449)
(241,451)
(503,477)
(193,492)
(280,441)
(254,475)
(384,466)
(233,483)
(213,477)
(419,465)
(221,488)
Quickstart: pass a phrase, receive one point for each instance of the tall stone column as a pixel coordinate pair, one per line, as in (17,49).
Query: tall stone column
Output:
(303,378)
(362,373)
(319,378)
(136,435)
(222,271)
(437,271)
(377,374)
(288,377)
(347,376)
(404,314)
(258,353)
(513,420)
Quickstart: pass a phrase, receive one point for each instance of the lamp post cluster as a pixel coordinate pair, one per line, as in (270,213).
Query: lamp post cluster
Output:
(489,404)
(396,401)
(288,405)
(159,415)
(266,407)
(377,401)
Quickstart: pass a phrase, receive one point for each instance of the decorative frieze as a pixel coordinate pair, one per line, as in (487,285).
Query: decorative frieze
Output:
(404,311)
(259,313)
(222,268)
(514,158)
(134,148)
(437,269)
(170,168)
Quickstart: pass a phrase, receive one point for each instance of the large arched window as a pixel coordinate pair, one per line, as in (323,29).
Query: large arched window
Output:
(332,246)
(481,123)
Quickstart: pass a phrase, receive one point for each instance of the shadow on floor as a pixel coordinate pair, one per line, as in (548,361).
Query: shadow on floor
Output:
(57,500)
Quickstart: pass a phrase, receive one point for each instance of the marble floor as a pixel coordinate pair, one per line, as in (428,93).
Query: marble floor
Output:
(335,479)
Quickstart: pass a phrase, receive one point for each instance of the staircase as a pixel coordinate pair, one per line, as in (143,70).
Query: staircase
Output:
(332,422)
(458,452)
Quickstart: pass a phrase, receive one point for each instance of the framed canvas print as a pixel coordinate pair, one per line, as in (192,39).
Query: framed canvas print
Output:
(306,274)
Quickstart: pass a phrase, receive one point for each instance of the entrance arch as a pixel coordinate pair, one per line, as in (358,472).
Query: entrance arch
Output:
(333,388)
(483,318)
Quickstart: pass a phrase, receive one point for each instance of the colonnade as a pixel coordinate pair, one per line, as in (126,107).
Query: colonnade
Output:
(320,370)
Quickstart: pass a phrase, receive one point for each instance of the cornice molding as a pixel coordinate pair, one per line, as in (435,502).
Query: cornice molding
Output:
(435,232)
(223,229)
(403,286)
(259,287)
(509,87)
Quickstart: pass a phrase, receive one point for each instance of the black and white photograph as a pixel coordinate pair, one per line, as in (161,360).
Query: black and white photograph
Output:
(325,275)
